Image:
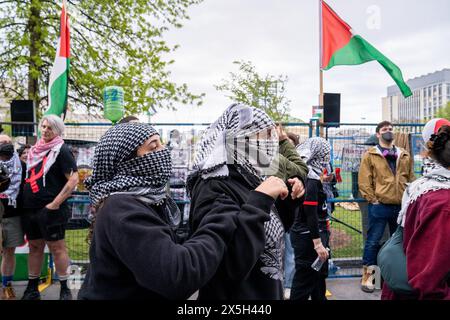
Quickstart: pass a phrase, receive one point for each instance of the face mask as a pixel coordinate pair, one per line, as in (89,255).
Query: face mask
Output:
(388,136)
(155,167)
(7,150)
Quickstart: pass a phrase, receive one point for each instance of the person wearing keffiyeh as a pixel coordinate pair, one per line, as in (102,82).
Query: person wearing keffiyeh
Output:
(11,226)
(425,219)
(310,233)
(51,177)
(237,163)
(134,252)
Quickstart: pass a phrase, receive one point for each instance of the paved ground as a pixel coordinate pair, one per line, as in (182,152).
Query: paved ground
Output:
(340,288)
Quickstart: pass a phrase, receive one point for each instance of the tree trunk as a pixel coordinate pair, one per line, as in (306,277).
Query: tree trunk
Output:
(34,28)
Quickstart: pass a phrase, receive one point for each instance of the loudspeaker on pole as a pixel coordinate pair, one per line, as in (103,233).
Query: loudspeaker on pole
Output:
(332,108)
(22,111)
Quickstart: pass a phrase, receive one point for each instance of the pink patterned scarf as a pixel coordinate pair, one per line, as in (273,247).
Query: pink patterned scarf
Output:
(40,150)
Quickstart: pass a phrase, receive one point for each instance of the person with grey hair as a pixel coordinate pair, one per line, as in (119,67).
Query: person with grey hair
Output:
(50,179)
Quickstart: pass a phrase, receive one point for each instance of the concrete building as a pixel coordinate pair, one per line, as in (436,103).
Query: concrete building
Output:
(430,93)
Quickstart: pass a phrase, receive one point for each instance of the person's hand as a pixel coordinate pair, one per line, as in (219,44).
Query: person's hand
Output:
(281,133)
(322,252)
(274,187)
(298,189)
(328,178)
(52,206)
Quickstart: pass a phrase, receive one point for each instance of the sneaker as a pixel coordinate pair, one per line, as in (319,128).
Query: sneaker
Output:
(8,293)
(31,294)
(65,294)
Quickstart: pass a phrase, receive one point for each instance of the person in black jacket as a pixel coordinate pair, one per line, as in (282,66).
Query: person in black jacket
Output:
(134,252)
(235,154)
(11,226)
(310,233)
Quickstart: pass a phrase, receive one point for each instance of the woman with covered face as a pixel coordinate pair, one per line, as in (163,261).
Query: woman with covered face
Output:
(134,252)
(10,198)
(237,159)
(310,233)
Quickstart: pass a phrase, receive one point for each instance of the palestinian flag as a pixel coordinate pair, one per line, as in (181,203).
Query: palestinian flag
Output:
(59,77)
(340,46)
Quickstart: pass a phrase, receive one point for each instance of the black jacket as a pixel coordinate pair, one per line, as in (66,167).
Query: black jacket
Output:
(248,271)
(312,214)
(134,254)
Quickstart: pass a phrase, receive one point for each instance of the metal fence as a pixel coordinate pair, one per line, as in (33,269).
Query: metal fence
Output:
(348,142)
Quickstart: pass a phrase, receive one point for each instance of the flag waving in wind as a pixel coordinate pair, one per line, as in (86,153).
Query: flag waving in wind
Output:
(340,46)
(59,77)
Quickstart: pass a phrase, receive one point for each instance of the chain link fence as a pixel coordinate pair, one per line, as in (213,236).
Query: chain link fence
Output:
(348,141)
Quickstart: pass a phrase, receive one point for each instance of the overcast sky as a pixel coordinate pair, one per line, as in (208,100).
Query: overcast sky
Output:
(282,37)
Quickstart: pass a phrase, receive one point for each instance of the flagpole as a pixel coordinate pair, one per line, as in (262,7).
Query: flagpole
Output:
(67,84)
(320,66)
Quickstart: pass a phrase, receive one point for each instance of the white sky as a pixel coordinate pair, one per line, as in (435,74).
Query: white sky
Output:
(282,37)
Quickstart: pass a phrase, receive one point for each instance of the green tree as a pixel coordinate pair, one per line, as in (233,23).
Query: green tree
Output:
(265,92)
(444,112)
(113,42)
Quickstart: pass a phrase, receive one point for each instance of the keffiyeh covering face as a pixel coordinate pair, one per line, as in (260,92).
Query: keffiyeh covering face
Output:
(14,168)
(243,135)
(116,172)
(316,153)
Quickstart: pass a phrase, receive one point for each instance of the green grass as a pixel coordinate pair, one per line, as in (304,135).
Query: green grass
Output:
(76,244)
(352,241)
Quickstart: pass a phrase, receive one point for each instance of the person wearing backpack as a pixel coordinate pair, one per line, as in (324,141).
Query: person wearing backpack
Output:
(425,218)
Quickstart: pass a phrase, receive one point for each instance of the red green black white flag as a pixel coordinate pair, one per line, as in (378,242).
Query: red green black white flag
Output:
(59,76)
(340,46)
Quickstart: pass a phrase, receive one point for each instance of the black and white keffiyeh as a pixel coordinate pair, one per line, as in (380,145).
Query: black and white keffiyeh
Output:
(316,153)
(246,137)
(14,168)
(436,178)
(428,165)
(117,171)
(242,135)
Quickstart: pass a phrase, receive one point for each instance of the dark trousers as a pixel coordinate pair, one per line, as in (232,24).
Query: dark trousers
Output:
(307,282)
(379,216)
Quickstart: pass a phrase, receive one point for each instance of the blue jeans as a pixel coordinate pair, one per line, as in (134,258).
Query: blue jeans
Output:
(379,215)
(289,263)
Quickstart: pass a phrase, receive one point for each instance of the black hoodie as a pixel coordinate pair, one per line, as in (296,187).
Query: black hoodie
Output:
(134,254)
(244,273)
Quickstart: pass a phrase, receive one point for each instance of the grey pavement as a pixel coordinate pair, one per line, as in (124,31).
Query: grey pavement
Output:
(340,288)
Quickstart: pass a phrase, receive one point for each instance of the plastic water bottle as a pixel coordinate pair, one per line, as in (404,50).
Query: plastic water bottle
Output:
(113,103)
(317,264)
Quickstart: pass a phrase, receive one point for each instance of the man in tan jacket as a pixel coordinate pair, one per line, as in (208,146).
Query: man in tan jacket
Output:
(383,174)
